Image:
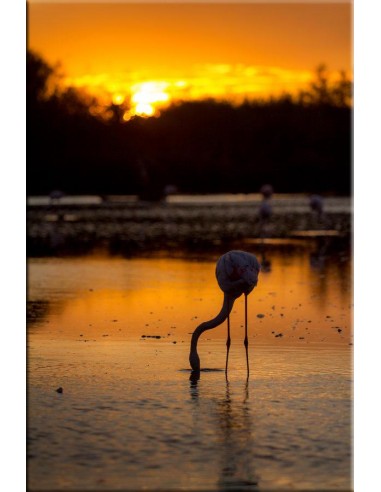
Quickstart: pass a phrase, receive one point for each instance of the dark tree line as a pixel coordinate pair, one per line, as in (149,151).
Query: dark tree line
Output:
(299,145)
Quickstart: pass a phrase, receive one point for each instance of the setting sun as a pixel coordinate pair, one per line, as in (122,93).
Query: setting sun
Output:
(147,96)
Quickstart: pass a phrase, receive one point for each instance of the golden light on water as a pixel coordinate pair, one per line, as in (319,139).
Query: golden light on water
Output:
(114,300)
(108,371)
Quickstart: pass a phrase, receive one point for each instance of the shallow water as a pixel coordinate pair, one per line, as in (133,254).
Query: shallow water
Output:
(114,333)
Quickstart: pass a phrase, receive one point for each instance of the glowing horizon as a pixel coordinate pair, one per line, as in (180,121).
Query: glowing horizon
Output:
(235,85)
(147,56)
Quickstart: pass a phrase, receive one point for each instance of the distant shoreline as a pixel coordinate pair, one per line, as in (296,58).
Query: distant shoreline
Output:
(134,227)
(292,200)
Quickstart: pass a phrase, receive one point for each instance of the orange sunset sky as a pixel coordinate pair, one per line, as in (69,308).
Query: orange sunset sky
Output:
(155,53)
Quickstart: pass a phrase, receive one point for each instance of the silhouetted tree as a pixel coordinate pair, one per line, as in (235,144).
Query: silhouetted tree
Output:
(324,94)
(298,145)
(342,91)
(38,73)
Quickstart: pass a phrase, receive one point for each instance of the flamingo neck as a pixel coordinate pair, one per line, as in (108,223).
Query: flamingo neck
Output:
(226,308)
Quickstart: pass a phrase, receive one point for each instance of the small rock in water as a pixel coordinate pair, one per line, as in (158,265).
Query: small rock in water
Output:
(59,390)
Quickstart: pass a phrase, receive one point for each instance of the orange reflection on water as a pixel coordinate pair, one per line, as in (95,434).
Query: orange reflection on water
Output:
(102,299)
(127,405)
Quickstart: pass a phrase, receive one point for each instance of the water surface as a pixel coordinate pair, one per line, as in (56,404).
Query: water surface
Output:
(114,334)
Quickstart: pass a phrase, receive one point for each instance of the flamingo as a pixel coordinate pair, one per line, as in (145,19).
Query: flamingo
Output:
(237,274)
(267,191)
(317,205)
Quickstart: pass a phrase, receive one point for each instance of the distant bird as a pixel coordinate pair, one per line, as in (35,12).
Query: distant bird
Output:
(265,210)
(317,204)
(55,196)
(237,274)
(267,191)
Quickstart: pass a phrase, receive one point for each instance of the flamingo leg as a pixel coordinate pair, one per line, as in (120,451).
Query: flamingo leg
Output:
(246,341)
(228,341)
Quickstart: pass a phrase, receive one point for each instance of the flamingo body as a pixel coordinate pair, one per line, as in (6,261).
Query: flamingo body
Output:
(237,273)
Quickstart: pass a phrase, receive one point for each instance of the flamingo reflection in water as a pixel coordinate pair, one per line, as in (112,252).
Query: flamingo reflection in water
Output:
(237,274)
(231,415)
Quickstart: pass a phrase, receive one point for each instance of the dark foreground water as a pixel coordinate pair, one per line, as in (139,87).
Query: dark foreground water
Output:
(114,334)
